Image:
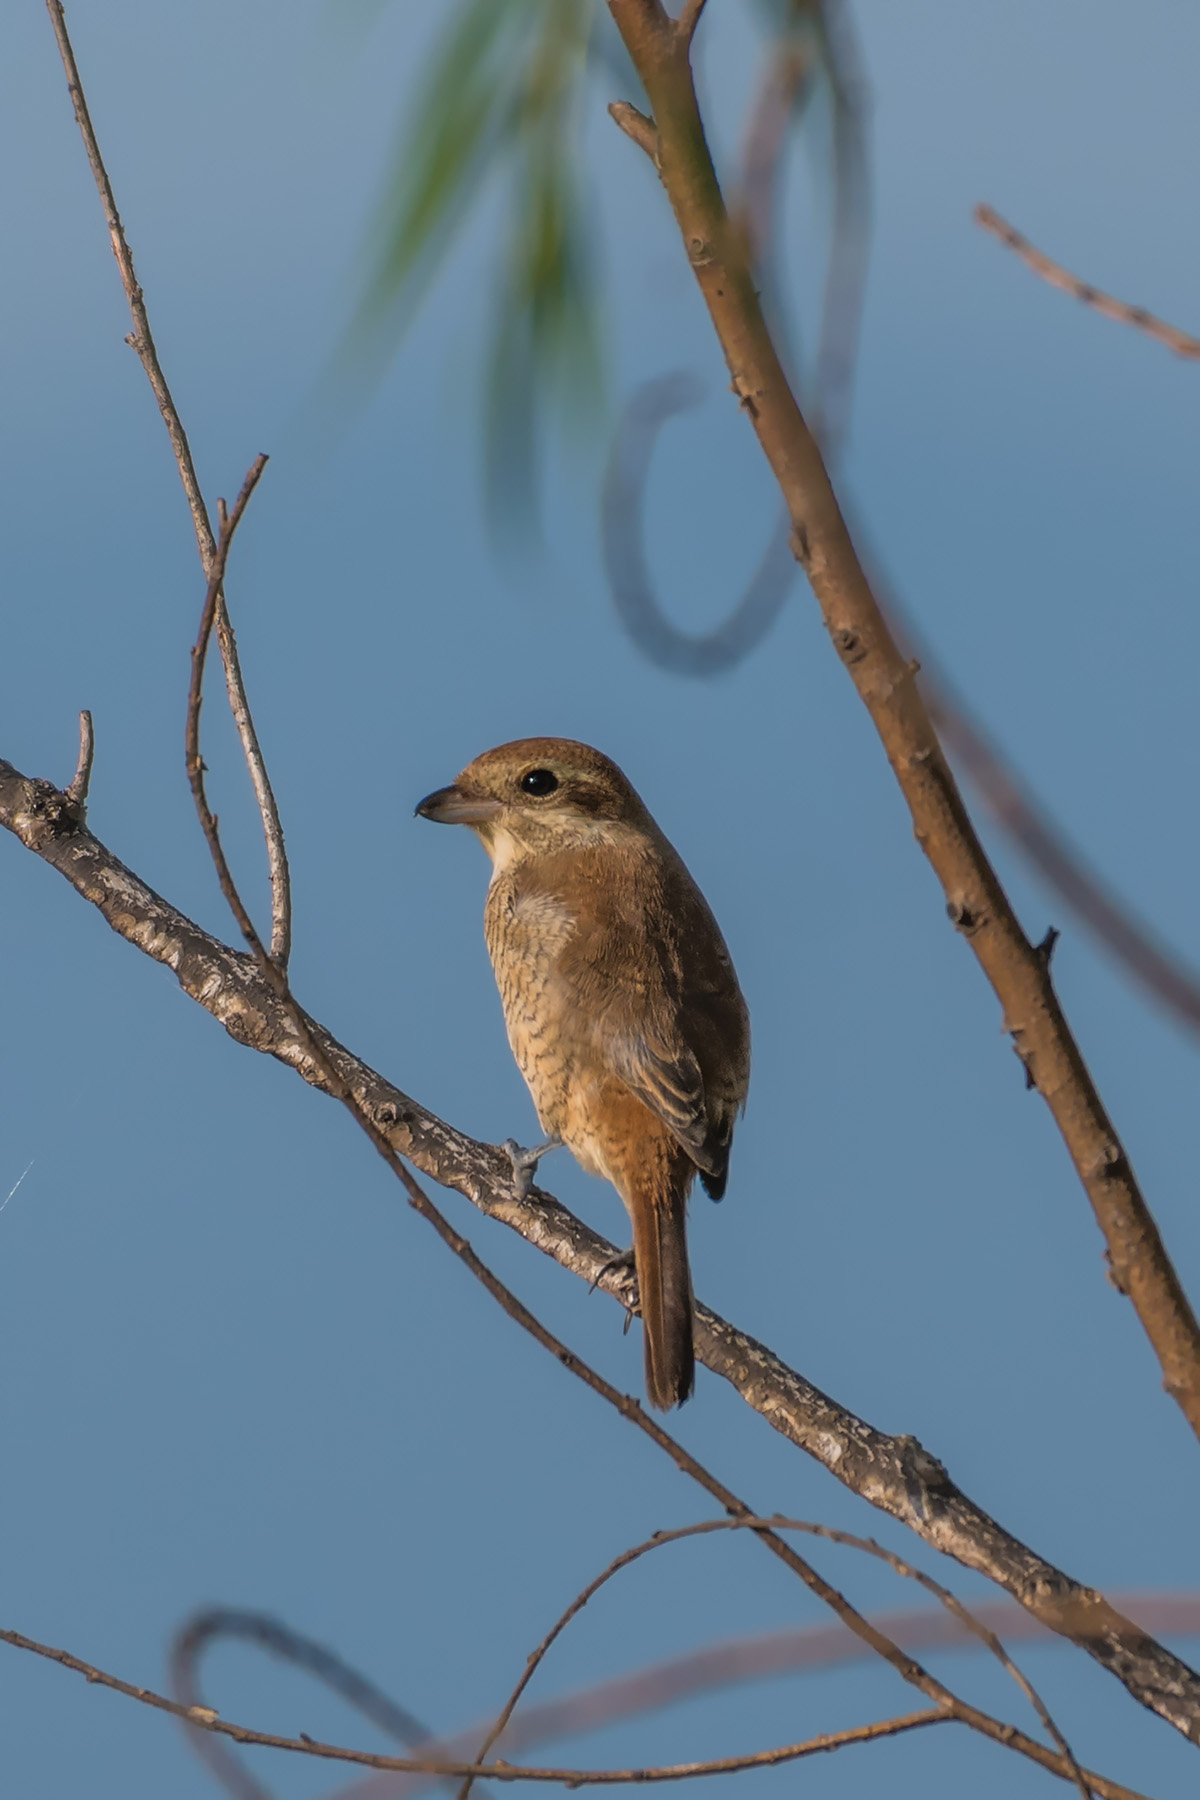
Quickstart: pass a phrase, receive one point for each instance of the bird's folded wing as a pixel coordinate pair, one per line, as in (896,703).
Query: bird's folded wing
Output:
(668,1080)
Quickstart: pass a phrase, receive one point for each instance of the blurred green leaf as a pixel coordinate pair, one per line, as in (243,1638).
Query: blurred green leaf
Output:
(501,99)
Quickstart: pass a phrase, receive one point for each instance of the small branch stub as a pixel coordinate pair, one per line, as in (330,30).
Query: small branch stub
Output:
(637,126)
(77,792)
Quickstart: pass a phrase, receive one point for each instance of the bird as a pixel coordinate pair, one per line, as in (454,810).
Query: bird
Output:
(621,1003)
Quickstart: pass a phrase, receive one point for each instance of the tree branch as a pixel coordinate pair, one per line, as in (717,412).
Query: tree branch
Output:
(885,681)
(895,1474)
(1181,342)
(141,340)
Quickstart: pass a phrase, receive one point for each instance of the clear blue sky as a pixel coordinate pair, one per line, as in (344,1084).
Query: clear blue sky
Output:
(232,1366)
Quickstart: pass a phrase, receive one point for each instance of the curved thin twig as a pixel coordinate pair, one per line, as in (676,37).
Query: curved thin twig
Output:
(1181,342)
(708,1527)
(141,340)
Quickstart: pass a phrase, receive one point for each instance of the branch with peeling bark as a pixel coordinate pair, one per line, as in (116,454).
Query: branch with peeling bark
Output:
(885,681)
(895,1474)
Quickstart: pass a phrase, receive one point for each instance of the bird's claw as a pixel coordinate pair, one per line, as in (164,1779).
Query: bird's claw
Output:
(524,1162)
(623,1263)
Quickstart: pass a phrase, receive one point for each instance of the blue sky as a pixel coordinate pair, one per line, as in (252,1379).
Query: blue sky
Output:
(234,1367)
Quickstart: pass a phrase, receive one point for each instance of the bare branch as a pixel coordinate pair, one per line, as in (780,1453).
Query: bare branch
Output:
(637,126)
(885,681)
(707,1528)
(195,765)
(142,341)
(77,792)
(277,862)
(1181,342)
(895,1474)
(203,1718)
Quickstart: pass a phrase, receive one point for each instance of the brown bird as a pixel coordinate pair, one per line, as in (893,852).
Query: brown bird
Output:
(622,1006)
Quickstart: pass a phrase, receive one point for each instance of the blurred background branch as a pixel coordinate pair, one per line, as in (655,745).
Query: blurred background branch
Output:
(1181,342)
(638,1693)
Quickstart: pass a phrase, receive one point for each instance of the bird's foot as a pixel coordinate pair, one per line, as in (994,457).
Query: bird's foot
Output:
(525,1162)
(624,1263)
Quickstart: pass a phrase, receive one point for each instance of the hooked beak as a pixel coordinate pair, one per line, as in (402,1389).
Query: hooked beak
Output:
(451,806)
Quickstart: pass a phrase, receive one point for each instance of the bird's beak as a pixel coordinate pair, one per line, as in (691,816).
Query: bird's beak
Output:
(454,806)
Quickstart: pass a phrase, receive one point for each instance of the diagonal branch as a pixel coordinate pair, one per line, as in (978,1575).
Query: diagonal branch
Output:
(977,904)
(1181,342)
(895,1474)
(141,340)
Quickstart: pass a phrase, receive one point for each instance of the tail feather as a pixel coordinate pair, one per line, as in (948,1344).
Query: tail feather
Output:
(665,1292)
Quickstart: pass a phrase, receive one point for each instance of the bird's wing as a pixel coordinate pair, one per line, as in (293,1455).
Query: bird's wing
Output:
(666,1076)
(646,967)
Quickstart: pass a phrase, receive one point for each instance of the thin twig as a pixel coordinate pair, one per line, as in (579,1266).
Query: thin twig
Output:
(77,792)
(203,1718)
(706,1528)
(896,1474)
(886,683)
(141,340)
(194,761)
(1181,342)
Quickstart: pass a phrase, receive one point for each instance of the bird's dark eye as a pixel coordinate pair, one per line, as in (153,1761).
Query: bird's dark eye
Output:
(539,782)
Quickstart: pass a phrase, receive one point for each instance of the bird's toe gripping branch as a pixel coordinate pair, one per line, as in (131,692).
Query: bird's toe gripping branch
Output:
(524,1162)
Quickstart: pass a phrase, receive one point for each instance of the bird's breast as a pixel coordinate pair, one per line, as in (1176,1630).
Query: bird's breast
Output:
(527,929)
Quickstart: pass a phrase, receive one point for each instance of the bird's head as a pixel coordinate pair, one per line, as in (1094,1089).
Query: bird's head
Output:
(539,795)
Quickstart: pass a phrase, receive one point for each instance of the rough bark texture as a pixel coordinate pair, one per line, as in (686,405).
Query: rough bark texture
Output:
(894,1474)
(1017,969)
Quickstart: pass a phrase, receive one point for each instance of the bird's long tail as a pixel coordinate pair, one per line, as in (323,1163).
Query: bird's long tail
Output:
(665,1291)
